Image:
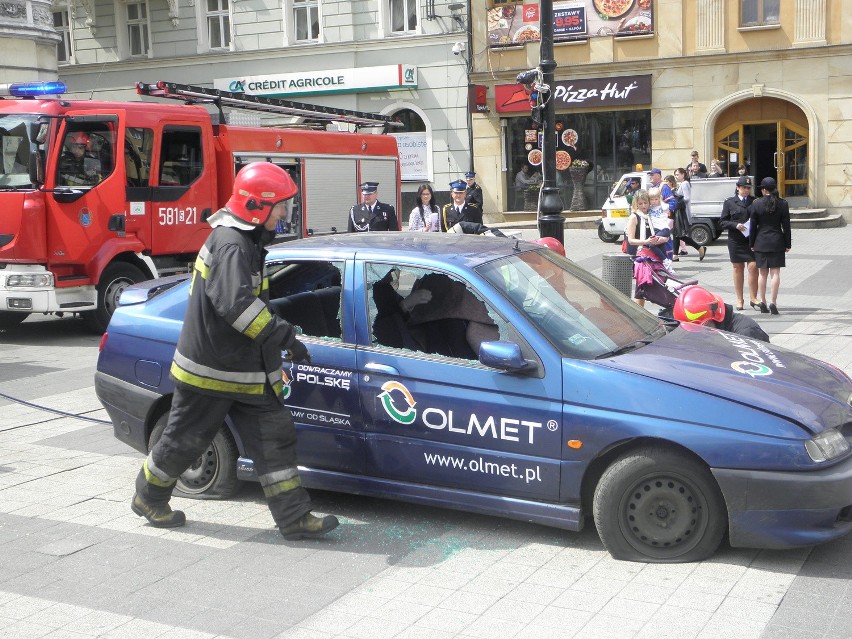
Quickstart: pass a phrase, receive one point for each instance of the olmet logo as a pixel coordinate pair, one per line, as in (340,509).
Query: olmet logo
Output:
(406,416)
(237,86)
(751,369)
(286,390)
(693,316)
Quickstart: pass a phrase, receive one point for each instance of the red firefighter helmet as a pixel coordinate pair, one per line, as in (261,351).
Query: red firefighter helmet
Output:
(79,137)
(552,243)
(258,187)
(699,306)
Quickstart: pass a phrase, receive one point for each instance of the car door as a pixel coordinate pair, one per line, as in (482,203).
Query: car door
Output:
(447,420)
(322,395)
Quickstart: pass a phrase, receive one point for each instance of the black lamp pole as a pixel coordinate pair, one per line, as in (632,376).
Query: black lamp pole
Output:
(550,220)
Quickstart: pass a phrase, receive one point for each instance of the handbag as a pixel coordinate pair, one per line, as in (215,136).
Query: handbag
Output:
(624,244)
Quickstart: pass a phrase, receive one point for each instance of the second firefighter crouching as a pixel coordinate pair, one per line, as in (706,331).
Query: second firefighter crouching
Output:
(458,210)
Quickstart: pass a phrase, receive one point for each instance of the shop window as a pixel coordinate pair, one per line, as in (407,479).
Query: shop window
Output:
(611,143)
(218,24)
(759,12)
(402,15)
(138,29)
(306,20)
(62,25)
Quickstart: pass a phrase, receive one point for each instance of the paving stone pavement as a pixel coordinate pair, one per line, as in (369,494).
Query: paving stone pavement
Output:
(76,563)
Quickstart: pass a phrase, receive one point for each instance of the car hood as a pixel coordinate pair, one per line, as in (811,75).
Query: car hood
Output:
(747,371)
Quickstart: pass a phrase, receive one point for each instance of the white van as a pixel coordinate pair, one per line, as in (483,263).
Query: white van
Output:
(707,196)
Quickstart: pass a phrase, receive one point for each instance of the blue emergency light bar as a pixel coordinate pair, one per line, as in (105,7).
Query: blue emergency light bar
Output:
(32,89)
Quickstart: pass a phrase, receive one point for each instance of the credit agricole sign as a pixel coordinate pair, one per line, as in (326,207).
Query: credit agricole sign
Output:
(393,76)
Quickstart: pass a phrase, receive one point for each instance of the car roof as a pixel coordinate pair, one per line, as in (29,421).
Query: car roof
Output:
(472,250)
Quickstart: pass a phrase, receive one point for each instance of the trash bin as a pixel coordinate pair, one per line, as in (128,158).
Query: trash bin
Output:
(617,271)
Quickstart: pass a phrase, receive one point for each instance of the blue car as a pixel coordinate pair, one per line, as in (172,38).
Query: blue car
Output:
(494,376)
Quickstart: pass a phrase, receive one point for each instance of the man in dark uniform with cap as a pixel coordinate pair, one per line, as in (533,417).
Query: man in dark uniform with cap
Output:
(459,210)
(372,215)
(473,193)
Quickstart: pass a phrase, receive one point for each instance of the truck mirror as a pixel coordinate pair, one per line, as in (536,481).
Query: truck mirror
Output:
(36,168)
(38,132)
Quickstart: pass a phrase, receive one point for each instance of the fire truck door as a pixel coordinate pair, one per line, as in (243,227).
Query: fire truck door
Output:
(182,190)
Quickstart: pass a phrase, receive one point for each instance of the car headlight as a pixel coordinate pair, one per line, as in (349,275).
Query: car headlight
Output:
(30,280)
(826,446)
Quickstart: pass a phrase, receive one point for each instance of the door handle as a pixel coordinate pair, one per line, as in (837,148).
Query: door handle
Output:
(775,160)
(381,369)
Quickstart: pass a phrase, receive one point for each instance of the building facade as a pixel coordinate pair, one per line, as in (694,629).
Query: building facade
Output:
(404,58)
(762,83)
(28,41)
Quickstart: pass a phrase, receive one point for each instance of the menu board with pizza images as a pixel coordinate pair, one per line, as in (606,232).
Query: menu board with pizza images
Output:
(517,24)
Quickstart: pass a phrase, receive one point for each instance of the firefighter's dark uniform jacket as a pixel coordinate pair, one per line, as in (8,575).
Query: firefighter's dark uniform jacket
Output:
(742,325)
(239,349)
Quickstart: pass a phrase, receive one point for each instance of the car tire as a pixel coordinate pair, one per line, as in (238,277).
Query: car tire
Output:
(701,234)
(115,278)
(607,237)
(660,506)
(214,474)
(10,319)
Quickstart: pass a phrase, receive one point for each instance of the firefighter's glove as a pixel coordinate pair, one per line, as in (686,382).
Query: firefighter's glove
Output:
(420,296)
(298,352)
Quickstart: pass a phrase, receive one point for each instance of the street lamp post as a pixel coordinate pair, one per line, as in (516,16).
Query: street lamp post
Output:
(551,223)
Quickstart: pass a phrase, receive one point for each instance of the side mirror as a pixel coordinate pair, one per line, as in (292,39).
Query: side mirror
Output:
(38,132)
(505,356)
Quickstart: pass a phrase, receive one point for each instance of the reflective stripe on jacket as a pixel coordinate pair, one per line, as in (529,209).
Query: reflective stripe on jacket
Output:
(231,342)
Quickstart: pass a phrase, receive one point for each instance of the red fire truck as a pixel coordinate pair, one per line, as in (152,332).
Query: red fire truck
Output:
(95,196)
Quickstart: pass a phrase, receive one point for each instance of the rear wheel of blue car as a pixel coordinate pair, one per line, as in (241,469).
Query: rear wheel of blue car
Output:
(214,474)
(660,506)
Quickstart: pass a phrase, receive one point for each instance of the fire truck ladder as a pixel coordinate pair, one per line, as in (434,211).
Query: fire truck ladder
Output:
(311,113)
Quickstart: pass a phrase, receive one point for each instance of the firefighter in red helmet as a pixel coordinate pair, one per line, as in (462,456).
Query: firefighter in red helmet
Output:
(77,166)
(697,305)
(228,362)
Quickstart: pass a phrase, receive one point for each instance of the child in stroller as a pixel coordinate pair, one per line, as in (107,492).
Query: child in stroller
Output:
(654,282)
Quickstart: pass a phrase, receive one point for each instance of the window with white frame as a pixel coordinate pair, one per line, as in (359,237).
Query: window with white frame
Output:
(306,21)
(218,24)
(759,12)
(402,16)
(62,25)
(138,40)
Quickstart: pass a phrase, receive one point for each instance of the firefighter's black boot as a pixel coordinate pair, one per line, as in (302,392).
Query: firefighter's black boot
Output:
(159,515)
(309,526)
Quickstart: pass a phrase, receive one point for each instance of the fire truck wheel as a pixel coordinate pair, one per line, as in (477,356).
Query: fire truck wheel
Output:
(10,319)
(115,278)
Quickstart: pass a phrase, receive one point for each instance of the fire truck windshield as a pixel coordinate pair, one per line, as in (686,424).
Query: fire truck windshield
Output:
(16,147)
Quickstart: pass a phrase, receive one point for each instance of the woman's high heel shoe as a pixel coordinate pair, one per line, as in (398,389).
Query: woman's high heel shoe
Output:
(773,309)
(755,305)
(763,307)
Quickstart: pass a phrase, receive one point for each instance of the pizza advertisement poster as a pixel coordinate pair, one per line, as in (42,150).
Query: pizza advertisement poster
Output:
(515,25)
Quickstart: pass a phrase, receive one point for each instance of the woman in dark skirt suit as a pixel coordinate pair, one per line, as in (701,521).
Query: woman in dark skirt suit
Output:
(734,219)
(770,239)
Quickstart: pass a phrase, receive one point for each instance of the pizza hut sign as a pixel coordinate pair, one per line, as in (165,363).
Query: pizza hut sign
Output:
(594,92)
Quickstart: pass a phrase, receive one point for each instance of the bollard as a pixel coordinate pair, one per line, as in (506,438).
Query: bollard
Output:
(617,271)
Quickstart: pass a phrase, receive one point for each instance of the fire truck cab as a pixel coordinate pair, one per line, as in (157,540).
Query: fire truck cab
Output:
(96,196)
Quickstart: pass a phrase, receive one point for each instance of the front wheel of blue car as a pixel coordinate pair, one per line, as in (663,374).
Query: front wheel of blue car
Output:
(660,506)
(214,474)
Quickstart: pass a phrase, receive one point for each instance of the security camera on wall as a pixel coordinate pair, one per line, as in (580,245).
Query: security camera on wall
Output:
(458,48)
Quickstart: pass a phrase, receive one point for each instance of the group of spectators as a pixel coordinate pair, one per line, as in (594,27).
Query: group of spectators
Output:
(465,207)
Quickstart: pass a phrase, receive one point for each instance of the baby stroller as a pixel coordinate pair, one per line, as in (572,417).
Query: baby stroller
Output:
(655,283)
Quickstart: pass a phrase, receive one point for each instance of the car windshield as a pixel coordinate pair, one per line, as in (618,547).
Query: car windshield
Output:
(583,317)
(16,148)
